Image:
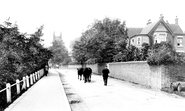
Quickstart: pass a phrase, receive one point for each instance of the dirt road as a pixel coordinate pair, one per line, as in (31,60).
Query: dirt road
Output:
(116,96)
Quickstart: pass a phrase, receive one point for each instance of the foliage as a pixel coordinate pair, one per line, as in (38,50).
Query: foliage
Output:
(164,53)
(79,50)
(132,53)
(99,43)
(144,51)
(20,53)
(60,53)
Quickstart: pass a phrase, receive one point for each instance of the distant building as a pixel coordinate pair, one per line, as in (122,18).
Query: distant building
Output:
(57,38)
(156,32)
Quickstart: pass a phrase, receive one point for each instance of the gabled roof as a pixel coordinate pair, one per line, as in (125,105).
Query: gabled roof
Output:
(175,28)
(133,31)
(172,28)
(149,27)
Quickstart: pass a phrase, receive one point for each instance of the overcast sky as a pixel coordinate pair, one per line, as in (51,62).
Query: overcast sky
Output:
(72,17)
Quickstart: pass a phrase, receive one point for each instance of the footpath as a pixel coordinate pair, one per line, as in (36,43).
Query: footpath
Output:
(46,95)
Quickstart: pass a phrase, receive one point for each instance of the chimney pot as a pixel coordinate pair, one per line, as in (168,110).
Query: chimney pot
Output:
(149,22)
(176,20)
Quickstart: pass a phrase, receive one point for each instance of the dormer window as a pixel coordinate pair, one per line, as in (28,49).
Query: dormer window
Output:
(179,41)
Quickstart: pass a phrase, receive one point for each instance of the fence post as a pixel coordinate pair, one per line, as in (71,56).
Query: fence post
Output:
(38,75)
(18,86)
(27,81)
(34,77)
(42,70)
(8,93)
(24,83)
(31,79)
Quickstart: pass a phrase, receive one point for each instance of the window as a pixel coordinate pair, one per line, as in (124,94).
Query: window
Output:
(160,37)
(139,41)
(179,41)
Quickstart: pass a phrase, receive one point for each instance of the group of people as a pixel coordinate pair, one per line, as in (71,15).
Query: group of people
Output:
(86,73)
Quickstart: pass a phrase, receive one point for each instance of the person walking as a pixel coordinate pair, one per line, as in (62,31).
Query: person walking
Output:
(105,72)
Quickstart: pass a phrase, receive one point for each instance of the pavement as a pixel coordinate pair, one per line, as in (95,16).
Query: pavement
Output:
(118,95)
(45,95)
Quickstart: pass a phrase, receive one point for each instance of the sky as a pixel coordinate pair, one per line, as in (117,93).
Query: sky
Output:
(72,17)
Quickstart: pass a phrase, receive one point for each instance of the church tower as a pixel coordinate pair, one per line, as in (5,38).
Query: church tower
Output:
(57,38)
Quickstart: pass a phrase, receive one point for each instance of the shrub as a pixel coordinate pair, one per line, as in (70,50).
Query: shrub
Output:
(164,53)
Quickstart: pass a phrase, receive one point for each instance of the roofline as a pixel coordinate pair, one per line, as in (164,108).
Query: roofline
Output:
(180,34)
(161,20)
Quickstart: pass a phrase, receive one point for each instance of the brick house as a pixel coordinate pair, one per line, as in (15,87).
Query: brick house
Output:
(156,32)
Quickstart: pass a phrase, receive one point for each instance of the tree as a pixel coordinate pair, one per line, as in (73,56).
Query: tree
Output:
(110,34)
(99,42)
(60,53)
(79,51)
(21,54)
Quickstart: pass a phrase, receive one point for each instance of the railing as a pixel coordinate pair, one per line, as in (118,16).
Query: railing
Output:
(26,83)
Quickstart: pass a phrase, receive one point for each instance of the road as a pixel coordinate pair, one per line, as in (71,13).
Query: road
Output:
(118,95)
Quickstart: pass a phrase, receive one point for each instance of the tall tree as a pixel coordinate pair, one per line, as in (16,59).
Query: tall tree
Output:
(99,42)
(60,53)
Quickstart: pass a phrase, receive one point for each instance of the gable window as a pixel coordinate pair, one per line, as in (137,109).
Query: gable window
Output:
(179,41)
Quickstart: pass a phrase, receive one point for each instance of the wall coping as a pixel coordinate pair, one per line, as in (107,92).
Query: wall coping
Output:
(129,62)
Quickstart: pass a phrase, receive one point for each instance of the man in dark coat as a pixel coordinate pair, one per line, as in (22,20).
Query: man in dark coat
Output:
(46,69)
(80,73)
(105,72)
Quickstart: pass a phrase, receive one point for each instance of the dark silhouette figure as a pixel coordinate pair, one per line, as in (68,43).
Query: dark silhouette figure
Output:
(80,73)
(87,74)
(105,72)
(46,69)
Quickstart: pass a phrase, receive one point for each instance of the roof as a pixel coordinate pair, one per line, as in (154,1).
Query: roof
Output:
(175,28)
(133,31)
(149,27)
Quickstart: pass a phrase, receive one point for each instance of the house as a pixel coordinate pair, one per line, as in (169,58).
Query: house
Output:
(156,32)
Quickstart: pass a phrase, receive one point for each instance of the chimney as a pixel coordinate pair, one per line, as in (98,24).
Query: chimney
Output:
(149,22)
(161,16)
(176,20)
(167,22)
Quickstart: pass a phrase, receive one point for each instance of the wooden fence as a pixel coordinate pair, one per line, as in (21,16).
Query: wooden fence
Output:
(26,83)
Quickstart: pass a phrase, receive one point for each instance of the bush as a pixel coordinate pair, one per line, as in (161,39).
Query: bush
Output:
(164,53)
